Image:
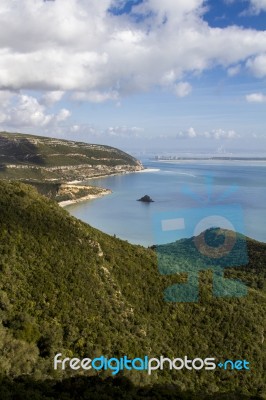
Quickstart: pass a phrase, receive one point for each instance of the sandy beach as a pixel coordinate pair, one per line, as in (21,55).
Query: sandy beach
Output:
(104,192)
(88,197)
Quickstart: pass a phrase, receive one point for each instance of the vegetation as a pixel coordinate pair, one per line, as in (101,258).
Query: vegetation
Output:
(49,164)
(28,157)
(96,388)
(67,287)
(64,192)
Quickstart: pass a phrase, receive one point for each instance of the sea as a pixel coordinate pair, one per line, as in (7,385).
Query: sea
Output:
(190,191)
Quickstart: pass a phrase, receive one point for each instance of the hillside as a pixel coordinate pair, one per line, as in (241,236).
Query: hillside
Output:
(35,158)
(67,287)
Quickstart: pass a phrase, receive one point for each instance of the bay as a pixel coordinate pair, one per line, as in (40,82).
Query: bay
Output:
(176,186)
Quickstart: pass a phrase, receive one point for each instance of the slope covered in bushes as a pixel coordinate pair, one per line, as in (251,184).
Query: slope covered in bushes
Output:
(67,287)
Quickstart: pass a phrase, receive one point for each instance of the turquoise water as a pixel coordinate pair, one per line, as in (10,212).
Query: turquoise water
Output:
(176,186)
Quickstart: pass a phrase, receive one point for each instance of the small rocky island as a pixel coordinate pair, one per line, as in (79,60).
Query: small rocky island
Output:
(146,199)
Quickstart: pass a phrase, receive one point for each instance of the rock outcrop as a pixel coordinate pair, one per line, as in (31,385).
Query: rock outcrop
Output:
(146,199)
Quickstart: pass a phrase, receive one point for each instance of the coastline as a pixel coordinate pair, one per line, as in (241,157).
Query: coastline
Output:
(104,191)
(106,176)
(88,197)
(105,214)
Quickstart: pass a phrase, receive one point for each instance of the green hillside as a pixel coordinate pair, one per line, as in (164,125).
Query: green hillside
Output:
(29,157)
(67,287)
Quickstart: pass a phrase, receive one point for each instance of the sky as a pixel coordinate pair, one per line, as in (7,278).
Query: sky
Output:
(147,76)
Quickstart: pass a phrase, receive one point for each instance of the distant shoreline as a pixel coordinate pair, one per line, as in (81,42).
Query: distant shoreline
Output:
(208,159)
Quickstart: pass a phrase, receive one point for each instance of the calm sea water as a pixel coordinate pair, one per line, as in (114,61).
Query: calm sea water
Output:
(176,186)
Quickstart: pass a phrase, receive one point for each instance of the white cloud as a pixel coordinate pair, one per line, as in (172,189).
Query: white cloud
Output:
(5,97)
(121,131)
(112,132)
(221,134)
(233,71)
(124,131)
(182,89)
(256,6)
(191,132)
(26,111)
(77,45)
(214,134)
(85,129)
(52,97)
(256,98)
(168,9)
(257,65)
(62,115)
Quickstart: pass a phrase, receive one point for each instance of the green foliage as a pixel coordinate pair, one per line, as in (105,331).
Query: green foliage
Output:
(67,287)
(28,157)
(96,388)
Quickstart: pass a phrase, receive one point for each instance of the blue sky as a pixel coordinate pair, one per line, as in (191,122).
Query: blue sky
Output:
(184,76)
(238,12)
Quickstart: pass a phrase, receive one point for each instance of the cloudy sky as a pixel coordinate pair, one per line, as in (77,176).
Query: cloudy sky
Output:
(142,75)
